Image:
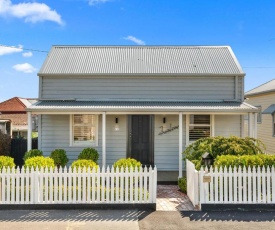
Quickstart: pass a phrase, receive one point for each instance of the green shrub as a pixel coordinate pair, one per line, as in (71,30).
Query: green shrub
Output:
(84,163)
(6,162)
(261,160)
(129,162)
(32,153)
(5,144)
(182,183)
(89,154)
(40,162)
(217,146)
(60,157)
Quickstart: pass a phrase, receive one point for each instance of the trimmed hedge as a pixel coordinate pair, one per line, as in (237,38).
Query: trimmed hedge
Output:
(32,153)
(182,183)
(261,160)
(40,162)
(129,162)
(219,145)
(60,157)
(89,154)
(84,163)
(6,161)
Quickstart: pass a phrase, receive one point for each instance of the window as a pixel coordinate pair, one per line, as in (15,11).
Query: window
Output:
(259,115)
(273,123)
(84,129)
(198,126)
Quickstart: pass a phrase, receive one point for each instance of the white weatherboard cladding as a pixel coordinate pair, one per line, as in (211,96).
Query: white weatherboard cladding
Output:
(55,134)
(227,125)
(166,146)
(265,128)
(140,88)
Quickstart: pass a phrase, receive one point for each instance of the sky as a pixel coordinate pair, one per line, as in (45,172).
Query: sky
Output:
(29,28)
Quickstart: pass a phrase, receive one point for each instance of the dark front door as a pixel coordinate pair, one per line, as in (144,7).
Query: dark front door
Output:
(141,141)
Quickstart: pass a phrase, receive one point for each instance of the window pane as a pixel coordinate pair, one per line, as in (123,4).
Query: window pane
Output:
(197,132)
(84,128)
(199,119)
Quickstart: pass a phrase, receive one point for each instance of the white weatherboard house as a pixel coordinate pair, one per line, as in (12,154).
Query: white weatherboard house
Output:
(144,102)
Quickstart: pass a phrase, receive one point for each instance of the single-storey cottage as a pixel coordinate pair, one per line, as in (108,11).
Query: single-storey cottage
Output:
(144,102)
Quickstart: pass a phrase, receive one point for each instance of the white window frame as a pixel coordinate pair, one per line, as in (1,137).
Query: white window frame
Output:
(259,115)
(83,144)
(187,125)
(273,124)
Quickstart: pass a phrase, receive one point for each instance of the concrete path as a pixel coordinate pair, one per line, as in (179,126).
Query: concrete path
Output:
(170,198)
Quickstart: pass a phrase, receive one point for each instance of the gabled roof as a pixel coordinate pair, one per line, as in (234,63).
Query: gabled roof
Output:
(267,87)
(134,106)
(148,60)
(15,104)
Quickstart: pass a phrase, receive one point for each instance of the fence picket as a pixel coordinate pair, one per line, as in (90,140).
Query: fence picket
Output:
(273,184)
(268,188)
(249,191)
(263,185)
(259,185)
(59,186)
(244,176)
(254,194)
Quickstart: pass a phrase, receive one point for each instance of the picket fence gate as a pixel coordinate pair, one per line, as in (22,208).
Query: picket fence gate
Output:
(73,186)
(231,185)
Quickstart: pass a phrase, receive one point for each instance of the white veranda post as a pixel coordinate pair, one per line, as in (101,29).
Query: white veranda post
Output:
(180,145)
(104,139)
(29,147)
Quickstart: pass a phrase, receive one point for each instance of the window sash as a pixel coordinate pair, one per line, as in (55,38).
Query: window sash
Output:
(84,129)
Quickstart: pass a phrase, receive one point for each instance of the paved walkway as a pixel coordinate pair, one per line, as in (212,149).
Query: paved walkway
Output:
(170,198)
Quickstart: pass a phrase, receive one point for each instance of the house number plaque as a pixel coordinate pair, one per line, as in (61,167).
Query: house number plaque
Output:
(206,179)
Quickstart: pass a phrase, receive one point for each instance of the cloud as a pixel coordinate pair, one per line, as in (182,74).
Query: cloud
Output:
(30,11)
(27,54)
(25,68)
(95,2)
(9,50)
(135,40)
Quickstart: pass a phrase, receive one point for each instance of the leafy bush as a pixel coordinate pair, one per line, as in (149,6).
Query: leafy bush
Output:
(6,162)
(89,154)
(40,162)
(32,153)
(84,163)
(129,162)
(182,183)
(217,146)
(261,160)
(5,143)
(60,157)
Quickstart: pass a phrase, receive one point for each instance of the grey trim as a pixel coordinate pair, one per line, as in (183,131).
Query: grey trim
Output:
(269,110)
(237,207)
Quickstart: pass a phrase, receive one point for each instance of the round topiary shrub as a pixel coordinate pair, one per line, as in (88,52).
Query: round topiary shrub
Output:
(80,164)
(32,153)
(182,183)
(6,162)
(129,162)
(60,157)
(89,154)
(40,162)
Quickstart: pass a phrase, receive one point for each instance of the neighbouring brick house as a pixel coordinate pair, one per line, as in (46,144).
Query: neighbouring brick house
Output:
(13,117)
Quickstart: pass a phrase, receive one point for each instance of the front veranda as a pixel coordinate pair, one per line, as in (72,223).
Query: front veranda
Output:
(153,134)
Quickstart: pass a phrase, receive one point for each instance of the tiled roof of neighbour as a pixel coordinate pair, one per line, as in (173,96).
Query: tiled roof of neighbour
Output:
(264,88)
(166,60)
(16,104)
(176,106)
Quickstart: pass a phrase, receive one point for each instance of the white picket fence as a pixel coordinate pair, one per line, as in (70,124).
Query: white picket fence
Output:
(68,186)
(232,185)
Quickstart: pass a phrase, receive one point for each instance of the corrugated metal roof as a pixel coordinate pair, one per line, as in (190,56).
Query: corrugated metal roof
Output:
(123,106)
(93,60)
(264,88)
(269,110)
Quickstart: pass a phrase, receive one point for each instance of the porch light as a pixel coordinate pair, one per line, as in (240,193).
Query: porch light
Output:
(116,124)
(164,120)
(207,159)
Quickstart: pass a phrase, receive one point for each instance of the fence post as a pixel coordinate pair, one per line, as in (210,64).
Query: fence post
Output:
(155,184)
